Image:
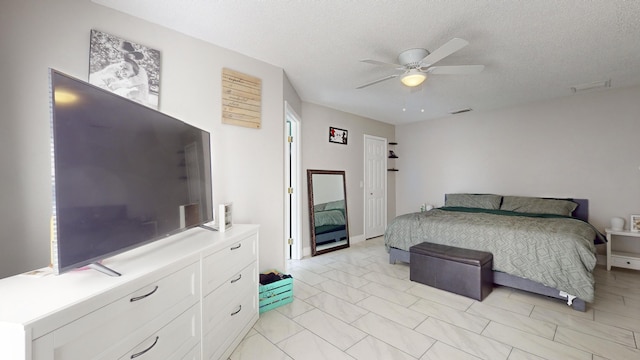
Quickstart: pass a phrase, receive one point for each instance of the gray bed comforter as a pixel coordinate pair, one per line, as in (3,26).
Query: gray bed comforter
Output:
(329,217)
(556,252)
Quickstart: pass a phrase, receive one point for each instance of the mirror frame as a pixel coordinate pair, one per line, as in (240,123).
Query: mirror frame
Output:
(310,174)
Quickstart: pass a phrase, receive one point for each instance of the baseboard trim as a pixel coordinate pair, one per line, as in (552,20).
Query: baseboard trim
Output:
(356,239)
(306,251)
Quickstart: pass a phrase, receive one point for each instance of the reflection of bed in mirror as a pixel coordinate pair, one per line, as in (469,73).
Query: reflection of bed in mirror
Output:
(330,222)
(327,211)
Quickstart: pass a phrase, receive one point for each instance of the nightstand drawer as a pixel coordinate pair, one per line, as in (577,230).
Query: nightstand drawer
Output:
(623,261)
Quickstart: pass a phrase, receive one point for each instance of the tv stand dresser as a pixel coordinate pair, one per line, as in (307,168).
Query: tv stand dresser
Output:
(193,295)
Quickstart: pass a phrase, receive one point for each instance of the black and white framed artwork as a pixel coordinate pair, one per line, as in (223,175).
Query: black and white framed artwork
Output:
(125,68)
(338,136)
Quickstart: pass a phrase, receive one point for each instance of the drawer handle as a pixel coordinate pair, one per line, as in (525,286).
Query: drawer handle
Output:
(144,296)
(239,277)
(145,350)
(628,262)
(235,312)
(236,247)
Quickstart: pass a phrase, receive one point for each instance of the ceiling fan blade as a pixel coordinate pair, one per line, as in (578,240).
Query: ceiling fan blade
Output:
(455,70)
(443,51)
(377,81)
(381,63)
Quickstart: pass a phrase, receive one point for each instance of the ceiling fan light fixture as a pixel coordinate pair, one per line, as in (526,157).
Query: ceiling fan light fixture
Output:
(413,78)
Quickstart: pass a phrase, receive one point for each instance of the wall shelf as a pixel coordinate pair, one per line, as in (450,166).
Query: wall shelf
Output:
(392,155)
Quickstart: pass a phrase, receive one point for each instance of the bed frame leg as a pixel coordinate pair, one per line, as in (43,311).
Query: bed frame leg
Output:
(579,304)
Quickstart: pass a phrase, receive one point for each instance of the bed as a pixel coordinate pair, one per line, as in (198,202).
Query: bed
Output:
(540,245)
(330,222)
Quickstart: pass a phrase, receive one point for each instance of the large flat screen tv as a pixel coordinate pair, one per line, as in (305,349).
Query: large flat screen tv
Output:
(123,174)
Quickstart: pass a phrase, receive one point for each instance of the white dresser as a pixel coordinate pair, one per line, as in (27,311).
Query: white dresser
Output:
(191,296)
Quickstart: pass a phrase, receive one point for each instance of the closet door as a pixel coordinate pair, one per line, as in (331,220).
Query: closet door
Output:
(375,186)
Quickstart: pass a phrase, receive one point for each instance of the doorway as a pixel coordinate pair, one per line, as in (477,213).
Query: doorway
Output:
(375,186)
(293,198)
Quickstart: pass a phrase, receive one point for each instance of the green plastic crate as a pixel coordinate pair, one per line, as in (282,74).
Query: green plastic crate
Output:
(276,294)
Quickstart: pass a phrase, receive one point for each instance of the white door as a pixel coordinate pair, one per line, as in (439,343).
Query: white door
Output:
(293,200)
(375,186)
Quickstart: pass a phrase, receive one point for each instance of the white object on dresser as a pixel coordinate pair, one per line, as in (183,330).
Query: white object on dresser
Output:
(619,258)
(171,294)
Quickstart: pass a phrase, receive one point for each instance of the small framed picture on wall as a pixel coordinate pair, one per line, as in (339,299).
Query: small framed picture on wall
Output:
(634,224)
(338,136)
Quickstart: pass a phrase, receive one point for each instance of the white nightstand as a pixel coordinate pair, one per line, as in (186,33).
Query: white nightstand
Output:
(620,258)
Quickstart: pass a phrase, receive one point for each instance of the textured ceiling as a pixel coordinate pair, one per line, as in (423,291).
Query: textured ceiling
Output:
(532,50)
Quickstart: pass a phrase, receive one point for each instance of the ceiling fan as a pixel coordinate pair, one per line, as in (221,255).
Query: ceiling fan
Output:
(415,64)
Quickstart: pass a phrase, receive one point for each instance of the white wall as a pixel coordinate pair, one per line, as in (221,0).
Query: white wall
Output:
(291,96)
(583,146)
(318,153)
(38,34)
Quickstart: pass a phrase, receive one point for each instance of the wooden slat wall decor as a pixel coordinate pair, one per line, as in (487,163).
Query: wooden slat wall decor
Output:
(241,99)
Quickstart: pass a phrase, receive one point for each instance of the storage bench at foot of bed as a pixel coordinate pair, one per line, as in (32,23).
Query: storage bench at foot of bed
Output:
(462,271)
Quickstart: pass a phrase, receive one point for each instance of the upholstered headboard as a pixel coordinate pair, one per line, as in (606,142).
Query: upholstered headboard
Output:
(582,211)
(493,201)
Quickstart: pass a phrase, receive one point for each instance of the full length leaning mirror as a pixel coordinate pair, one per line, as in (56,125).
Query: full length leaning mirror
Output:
(327,211)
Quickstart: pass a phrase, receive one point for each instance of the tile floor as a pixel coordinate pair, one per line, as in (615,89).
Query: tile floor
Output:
(352,304)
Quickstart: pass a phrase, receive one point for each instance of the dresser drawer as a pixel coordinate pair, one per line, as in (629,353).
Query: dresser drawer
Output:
(228,296)
(173,341)
(99,330)
(193,354)
(628,262)
(221,265)
(234,317)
